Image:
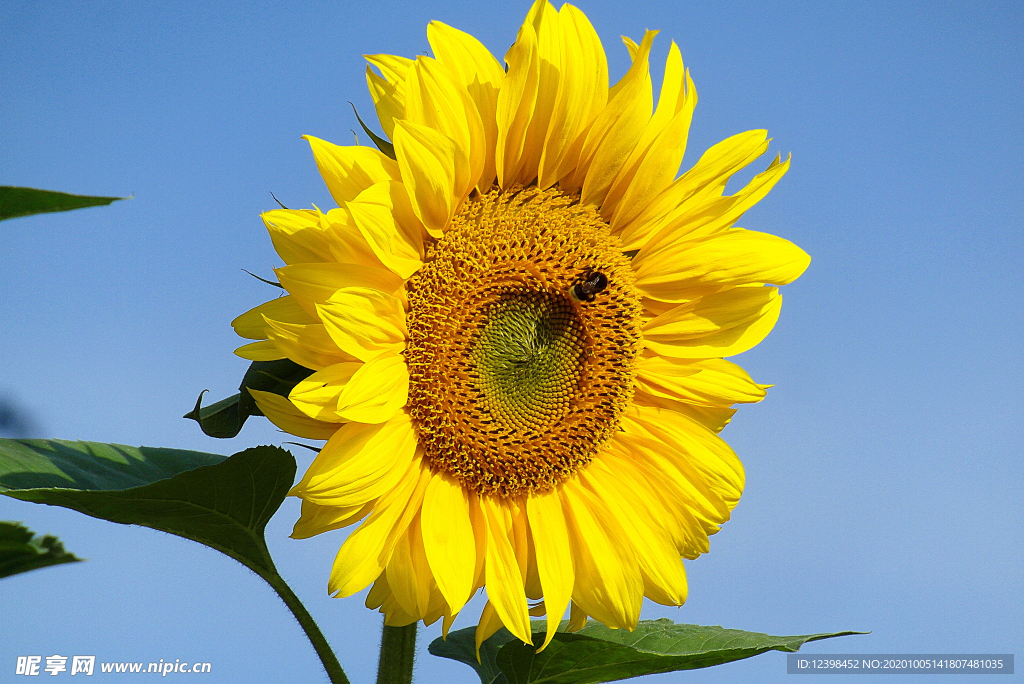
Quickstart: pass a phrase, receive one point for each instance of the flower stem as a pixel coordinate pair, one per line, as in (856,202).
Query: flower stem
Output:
(316,637)
(397,652)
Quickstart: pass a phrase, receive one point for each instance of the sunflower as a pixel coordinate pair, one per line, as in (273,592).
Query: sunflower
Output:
(517,318)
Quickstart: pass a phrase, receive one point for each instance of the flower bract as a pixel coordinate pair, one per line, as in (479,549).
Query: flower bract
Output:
(518,324)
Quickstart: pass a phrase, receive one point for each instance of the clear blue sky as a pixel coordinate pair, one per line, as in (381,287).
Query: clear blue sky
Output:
(884,470)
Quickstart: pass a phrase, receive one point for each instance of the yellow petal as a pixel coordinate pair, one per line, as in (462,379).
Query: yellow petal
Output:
(347,244)
(308,345)
(582,94)
(479,520)
(654,161)
(448,539)
(577,618)
(264,350)
(366,552)
(714,418)
(519,533)
(634,50)
(516,102)
(696,188)
(663,501)
(608,581)
(480,74)
(436,606)
(660,566)
(714,214)
(313,284)
(407,572)
(364,322)
(716,166)
(531,580)
(732,257)
(379,592)
(376,392)
(284,415)
(544,18)
(435,99)
(716,325)
(554,562)
(504,580)
(395,68)
(317,395)
(616,130)
(348,171)
(707,382)
(252,326)
(673,471)
(488,624)
(396,616)
(700,455)
(705,450)
(359,463)
(388,100)
(316,519)
(446,624)
(376,213)
(297,235)
(676,95)
(427,161)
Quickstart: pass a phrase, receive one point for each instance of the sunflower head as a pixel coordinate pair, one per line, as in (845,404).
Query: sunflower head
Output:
(515,382)
(518,320)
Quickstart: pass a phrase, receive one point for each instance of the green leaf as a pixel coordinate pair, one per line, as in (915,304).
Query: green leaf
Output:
(54,463)
(15,202)
(21,550)
(382,144)
(224,504)
(461,646)
(599,654)
(225,418)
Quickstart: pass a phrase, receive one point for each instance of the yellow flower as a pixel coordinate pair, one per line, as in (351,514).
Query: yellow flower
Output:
(518,327)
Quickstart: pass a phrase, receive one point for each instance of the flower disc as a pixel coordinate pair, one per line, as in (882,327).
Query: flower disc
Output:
(515,382)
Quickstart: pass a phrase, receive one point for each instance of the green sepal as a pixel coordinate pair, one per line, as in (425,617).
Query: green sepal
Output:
(597,654)
(16,202)
(225,418)
(21,550)
(382,144)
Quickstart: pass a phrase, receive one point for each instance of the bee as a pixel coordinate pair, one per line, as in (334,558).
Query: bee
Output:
(587,287)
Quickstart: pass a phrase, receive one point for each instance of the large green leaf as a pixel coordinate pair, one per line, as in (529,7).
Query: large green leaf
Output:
(15,202)
(222,503)
(599,654)
(461,646)
(225,418)
(48,463)
(21,550)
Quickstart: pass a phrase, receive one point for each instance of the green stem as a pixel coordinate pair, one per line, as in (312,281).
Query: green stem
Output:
(316,637)
(397,651)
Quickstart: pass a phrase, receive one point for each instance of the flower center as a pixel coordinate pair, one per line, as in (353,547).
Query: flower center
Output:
(524,326)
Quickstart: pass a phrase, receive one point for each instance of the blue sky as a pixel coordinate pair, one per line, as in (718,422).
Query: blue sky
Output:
(884,469)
